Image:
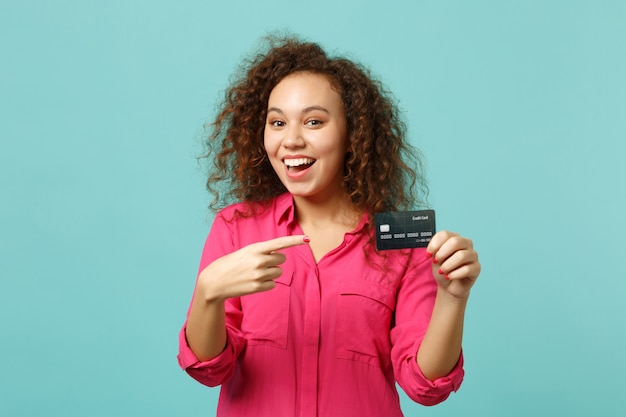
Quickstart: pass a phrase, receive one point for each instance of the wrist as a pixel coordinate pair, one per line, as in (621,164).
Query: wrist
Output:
(207,291)
(445,297)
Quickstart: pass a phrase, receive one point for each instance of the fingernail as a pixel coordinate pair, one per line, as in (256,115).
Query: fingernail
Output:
(440,271)
(306,239)
(447,277)
(434,260)
(428,254)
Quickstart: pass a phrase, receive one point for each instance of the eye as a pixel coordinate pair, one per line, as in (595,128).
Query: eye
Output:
(314,122)
(276,123)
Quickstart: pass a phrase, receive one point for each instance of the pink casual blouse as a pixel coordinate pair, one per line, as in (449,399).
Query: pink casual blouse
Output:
(332,338)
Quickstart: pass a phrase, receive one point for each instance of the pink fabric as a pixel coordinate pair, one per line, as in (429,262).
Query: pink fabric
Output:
(330,339)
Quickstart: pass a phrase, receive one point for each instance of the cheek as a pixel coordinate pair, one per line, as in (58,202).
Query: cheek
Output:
(334,150)
(269,143)
(271,146)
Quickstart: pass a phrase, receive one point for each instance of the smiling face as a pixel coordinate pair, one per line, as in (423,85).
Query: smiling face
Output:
(305,135)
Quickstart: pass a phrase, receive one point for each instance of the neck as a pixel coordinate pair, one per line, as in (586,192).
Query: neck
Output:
(336,209)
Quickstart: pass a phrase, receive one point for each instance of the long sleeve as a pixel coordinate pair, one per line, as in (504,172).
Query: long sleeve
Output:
(415,301)
(333,337)
(221,368)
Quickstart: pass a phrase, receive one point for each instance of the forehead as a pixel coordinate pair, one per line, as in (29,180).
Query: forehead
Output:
(305,87)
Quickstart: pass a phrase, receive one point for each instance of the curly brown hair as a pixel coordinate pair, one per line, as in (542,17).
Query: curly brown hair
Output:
(382,171)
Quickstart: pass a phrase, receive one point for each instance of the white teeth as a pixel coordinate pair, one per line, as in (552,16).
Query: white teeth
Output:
(298,161)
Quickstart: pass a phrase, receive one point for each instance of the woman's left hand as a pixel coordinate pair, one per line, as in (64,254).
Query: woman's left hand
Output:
(455,263)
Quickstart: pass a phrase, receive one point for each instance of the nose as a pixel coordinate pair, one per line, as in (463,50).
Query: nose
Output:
(293,137)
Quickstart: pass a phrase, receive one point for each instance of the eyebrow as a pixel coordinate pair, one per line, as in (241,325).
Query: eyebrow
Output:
(304,111)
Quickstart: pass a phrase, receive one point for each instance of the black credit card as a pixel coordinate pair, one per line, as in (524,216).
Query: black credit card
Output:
(404,229)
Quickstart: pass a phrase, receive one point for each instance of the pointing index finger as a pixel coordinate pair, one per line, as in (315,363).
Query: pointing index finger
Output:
(283,242)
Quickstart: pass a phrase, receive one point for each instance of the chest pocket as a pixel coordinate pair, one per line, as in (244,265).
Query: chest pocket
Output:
(365,311)
(265,318)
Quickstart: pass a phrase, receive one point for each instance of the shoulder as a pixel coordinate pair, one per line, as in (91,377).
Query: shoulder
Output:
(245,223)
(254,212)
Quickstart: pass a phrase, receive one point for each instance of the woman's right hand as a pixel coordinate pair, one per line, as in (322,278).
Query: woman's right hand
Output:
(248,270)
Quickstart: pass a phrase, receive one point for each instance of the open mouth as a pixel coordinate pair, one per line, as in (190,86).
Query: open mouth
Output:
(298,164)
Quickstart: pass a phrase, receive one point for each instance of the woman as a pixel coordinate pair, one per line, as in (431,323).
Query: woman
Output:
(295,313)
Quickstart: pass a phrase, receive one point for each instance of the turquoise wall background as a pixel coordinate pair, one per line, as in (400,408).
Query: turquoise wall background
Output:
(519,107)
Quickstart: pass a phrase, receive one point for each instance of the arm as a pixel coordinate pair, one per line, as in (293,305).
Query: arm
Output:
(248,270)
(455,268)
(206,327)
(207,321)
(441,347)
(426,340)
